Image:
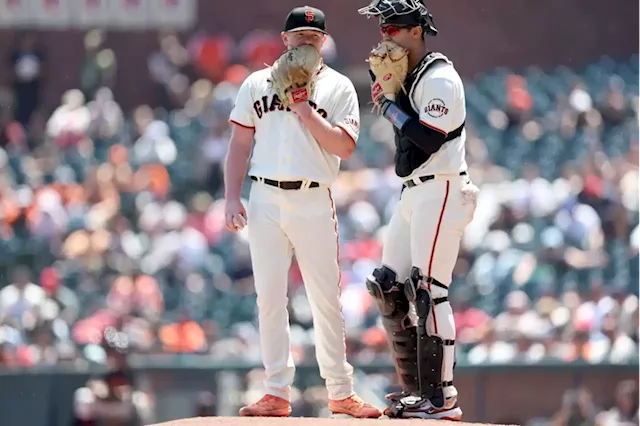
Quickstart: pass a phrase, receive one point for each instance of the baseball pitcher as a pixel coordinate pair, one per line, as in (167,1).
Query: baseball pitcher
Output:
(304,117)
(422,95)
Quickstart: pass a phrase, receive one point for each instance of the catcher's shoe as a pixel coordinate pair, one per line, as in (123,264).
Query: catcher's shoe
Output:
(397,396)
(268,406)
(394,398)
(416,408)
(353,406)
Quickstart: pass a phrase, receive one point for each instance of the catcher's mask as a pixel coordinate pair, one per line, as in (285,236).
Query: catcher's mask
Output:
(401,12)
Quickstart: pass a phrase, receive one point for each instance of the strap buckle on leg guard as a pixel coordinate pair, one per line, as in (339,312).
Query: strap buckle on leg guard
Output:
(413,284)
(417,281)
(410,290)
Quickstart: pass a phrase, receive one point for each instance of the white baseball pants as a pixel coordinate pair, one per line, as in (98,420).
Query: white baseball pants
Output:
(425,231)
(281,223)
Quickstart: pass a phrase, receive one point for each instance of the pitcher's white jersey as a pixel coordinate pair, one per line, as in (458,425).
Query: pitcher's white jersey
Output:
(284,148)
(438,96)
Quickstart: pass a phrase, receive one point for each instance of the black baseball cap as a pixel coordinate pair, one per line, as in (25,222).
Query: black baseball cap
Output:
(305,18)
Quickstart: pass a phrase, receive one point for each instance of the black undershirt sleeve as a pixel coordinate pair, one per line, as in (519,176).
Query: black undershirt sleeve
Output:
(424,137)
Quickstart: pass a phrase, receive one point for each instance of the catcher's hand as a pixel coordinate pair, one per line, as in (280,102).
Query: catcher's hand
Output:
(293,75)
(388,65)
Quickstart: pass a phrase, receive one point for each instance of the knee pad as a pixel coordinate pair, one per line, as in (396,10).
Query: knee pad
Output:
(386,291)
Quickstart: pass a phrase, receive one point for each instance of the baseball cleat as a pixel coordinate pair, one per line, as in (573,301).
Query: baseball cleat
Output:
(353,406)
(416,408)
(394,398)
(268,406)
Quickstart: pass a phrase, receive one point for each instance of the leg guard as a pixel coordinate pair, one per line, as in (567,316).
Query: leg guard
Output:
(431,347)
(401,331)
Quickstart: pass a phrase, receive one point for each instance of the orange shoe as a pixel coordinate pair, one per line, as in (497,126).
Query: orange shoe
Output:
(354,407)
(268,406)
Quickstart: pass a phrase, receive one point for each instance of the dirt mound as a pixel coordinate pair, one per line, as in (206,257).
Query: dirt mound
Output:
(299,421)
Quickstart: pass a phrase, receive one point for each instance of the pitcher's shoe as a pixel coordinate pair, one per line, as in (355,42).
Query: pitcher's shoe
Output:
(268,406)
(353,406)
(413,407)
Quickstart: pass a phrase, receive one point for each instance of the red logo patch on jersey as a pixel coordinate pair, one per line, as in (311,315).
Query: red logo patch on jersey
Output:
(388,77)
(436,108)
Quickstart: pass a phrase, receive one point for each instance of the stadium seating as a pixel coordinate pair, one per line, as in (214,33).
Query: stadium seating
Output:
(494,260)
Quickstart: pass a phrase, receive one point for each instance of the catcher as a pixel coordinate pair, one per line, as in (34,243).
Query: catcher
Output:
(422,95)
(304,117)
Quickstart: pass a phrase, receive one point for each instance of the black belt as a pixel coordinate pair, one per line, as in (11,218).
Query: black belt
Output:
(411,183)
(285,184)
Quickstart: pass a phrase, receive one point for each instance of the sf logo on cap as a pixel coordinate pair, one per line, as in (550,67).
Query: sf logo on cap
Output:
(309,15)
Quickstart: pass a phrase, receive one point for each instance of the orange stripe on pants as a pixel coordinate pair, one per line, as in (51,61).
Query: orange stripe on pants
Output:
(433,252)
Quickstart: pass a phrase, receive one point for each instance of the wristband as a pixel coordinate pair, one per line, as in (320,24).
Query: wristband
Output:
(394,114)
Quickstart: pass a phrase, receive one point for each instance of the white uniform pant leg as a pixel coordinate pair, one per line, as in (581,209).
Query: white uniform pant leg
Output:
(396,250)
(396,255)
(313,230)
(271,255)
(441,209)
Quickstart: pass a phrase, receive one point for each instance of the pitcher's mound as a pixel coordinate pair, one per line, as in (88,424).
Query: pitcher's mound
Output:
(306,421)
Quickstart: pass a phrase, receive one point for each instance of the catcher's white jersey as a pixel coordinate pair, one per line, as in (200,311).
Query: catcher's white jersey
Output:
(285,149)
(438,96)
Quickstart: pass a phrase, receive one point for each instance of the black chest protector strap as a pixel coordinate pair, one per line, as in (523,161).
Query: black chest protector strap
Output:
(455,133)
(427,63)
(419,71)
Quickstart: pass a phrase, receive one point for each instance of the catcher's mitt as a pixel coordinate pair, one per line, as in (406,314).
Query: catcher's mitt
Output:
(293,74)
(388,64)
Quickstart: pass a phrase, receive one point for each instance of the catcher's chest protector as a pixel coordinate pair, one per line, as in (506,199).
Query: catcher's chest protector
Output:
(409,157)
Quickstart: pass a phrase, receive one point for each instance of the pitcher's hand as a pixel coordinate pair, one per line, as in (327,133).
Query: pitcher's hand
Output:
(235,215)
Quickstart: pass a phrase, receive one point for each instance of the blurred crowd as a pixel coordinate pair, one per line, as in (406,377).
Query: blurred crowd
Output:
(578,408)
(112,225)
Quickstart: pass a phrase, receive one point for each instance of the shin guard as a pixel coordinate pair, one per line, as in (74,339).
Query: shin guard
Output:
(401,331)
(430,348)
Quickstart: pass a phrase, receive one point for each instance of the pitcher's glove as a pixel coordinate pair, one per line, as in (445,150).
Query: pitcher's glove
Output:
(388,68)
(293,74)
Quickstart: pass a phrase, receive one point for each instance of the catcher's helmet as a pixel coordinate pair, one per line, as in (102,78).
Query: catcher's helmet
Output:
(401,12)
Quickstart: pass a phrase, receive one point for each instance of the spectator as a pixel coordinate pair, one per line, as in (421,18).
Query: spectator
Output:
(168,68)
(21,302)
(107,120)
(519,102)
(100,66)
(625,411)
(206,406)
(577,410)
(155,145)
(28,70)
(69,123)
